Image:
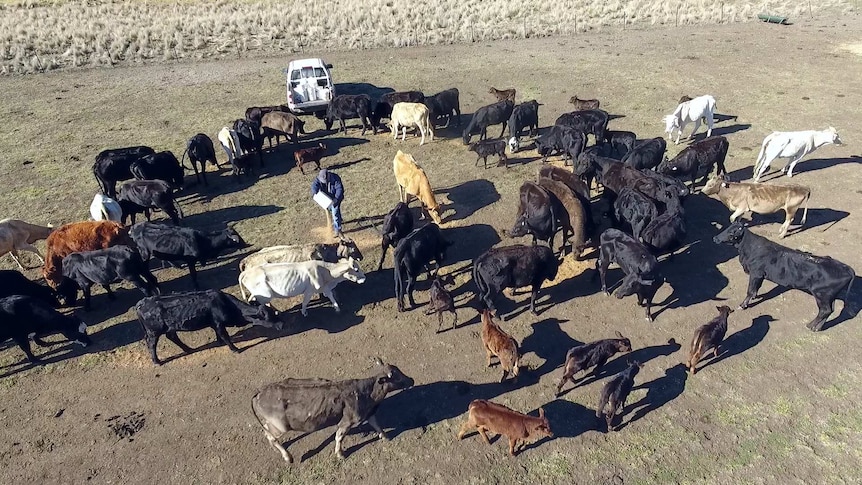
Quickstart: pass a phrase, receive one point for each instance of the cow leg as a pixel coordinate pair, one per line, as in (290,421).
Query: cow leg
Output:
(696,127)
(411,280)
(139,283)
(152,343)
(306,297)
(488,354)
(567,375)
(14,254)
(754,283)
(329,294)
(109,292)
(32,249)
(193,274)
(483,431)
(372,421)
(602,267)
(824,309)
(465,428)
(503,130)
(339,435)
(275,441)
(648,313)
(173,337)
(223,337)
(533,298)
(788,218)
(24,343)
(85,289)
(736,214)
(790,166)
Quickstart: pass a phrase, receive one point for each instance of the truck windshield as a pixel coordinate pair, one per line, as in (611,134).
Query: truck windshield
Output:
(308,72)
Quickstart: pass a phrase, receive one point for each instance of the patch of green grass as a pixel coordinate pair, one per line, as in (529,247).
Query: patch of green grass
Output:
(553,467)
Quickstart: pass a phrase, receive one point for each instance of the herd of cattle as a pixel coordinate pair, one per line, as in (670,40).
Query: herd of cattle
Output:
(642,196)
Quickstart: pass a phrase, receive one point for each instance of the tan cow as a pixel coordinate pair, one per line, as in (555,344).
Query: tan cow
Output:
(741,197)
(412,180)
(519,428)
(16,234)
(409,115)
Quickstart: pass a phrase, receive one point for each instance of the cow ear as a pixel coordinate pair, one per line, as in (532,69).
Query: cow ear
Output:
(620,335)
(382,379)
(725,185)
(378,361)
(541,412)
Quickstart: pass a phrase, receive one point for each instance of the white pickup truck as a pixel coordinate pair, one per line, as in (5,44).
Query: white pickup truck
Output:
(309,86)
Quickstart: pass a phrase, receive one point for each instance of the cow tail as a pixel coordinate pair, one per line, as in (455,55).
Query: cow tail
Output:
(849,285)
(397,272)
(762,155)
(177,208)
(102,183)
(183,159)
(480,284)
(254,410)
(805,212)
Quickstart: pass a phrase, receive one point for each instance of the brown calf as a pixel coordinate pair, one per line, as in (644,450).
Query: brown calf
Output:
(684,98)
(498,419)
(742,197)
(77,237)
(708,336)
(499,343)
(502,94)
(309,155)
(582,104)
(441,301)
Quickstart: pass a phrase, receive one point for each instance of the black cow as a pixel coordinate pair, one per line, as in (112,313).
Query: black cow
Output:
(159,166)
(820,276)
(25,317)
(255,113)
(14,283)
(250,137)
(413,253)
(535,215)
(637,263)
(671,184)
(486,148)
(525,115)
(594,354)
(445,103)
(561,139)
(587,121)
(635,209)
(104,266)
(615,393)
(621,142)
(112,166)
(513,267)
(697,160)
(182,245)
(647,154)
(348,106)
(383,107)
(397,224)
(308,405)
(667,231)
(200,150)
(137,196)
(492,114)
(196,310)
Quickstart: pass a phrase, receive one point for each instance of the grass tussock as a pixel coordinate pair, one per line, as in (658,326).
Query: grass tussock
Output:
(41,35)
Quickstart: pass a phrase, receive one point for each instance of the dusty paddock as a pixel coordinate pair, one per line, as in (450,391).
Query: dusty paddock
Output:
(780,408)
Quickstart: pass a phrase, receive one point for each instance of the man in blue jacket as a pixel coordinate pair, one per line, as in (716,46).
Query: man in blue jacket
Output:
(330,184)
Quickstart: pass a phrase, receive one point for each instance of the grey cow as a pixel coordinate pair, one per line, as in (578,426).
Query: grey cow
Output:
(312,404)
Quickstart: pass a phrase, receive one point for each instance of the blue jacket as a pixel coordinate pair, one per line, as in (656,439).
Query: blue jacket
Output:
(333,187)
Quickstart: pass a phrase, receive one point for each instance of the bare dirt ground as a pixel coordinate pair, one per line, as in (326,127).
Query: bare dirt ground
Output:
(779,407)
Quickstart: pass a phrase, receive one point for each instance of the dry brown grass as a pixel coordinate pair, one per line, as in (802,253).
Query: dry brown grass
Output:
(41,35)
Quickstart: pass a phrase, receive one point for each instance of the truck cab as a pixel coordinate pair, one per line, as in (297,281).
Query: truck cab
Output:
(309,86)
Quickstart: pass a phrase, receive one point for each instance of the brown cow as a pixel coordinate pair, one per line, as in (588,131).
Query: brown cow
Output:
(741,197)
(413,181)
(573,219)
(498,419)
(582,104)
(708,336)
(77,237)
(499,343)
(16,234)
(502,94)
(279,123)
(309,155)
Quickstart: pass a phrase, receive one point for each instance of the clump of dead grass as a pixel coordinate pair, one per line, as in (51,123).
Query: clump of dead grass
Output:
(41,35)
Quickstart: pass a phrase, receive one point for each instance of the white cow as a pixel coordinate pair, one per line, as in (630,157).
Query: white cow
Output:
(286,280)
(409,115)
(105,208)
(793,145)
(16,234)
(230,142)
(701,107)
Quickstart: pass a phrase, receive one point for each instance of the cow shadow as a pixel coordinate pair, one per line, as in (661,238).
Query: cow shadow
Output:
(726,130)
(660,391)
(693,272)
(427,404)
(619,364)
(468,197)
(569,419)
(106,338)
(821,163)
(216,219)
(816,218)
(469,242)
(740,341)
(550,343)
